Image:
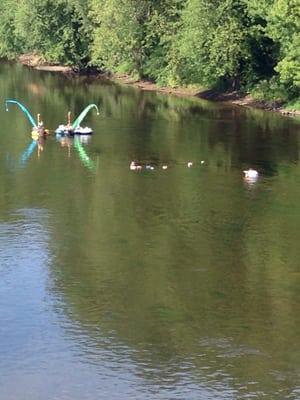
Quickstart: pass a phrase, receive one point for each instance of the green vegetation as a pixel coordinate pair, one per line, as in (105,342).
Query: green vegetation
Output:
(253,45)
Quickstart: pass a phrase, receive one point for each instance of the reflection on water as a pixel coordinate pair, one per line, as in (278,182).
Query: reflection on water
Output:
(153,284)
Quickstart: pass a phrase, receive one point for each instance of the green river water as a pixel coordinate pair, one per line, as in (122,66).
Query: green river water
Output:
(169,284)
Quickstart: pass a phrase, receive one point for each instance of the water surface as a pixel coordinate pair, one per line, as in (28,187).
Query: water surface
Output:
(160,284)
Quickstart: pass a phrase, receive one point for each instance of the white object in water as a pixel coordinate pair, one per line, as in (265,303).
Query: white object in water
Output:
(84,138)
(83,131)
(202,161)
(134,166)
(251,173)
(150,167)
(189,164)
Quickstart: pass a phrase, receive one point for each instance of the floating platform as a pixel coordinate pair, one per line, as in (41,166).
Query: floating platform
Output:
(65,130)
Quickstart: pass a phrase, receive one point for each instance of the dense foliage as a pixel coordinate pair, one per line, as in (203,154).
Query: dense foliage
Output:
(213,43)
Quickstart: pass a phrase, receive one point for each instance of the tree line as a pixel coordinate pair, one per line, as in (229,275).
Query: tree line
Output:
(227,44)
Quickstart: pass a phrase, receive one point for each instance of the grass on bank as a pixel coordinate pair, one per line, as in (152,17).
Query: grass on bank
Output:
(293,105)
(272,91)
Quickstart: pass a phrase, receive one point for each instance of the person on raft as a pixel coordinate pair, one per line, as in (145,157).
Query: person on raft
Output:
(40,126)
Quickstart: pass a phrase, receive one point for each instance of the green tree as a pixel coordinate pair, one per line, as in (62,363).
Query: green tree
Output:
(118,36)
(284,28)
(224,41)
(161,26)
(135,36)
(10,44)
(55,29)
(210,44)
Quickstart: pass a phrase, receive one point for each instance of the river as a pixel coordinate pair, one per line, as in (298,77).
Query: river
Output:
(177,283)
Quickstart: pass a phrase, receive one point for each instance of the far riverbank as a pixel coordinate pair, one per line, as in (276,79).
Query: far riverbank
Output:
(232,97)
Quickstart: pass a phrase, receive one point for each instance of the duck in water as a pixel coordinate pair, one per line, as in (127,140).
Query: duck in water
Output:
(251,173)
